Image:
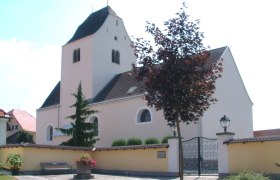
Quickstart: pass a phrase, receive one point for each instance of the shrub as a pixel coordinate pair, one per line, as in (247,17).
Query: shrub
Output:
(134,141)
(1,165)
(152,141)
(24,137)
(14,161)
(247,175)
(119,142)
(165,139)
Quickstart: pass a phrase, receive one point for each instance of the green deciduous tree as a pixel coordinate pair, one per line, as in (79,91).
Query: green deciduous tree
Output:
(82,132)
(178,78)
(25,136)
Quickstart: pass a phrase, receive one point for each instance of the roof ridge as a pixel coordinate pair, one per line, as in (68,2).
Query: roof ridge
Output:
(92,23)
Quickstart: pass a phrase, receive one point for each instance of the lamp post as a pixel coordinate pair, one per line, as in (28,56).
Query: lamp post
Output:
(225,123)
(173,128)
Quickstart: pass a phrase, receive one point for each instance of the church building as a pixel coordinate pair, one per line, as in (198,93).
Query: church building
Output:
(100,56)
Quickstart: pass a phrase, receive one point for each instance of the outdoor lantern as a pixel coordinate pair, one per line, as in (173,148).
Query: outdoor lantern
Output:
(225,122)
(173,128)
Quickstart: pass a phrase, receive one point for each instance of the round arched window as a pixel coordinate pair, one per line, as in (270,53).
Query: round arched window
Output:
(49,133)
(144,116)
(94,121)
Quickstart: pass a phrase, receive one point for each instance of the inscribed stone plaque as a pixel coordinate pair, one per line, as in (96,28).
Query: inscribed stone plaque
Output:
(161,154)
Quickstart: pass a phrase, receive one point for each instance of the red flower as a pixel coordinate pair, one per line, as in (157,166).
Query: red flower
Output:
(85,158)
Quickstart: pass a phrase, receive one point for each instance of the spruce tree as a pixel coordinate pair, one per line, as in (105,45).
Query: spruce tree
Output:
(82,132)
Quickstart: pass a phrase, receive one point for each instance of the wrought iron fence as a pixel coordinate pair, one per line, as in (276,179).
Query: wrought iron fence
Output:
(200,156)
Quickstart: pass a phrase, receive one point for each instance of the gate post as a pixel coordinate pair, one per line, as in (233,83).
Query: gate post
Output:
(223,161)
(173,155)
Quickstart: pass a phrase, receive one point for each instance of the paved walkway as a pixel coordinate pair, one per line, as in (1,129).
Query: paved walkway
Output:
(101,176)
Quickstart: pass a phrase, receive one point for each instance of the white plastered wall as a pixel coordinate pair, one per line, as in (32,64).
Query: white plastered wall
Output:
(117,119)
(103,70)
(233,101)
(73,73)
(45,117)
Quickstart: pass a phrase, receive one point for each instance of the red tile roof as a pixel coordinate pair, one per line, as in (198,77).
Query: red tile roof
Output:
(25,120)
(3,114)
(254,139)
(268,132)
(149,146)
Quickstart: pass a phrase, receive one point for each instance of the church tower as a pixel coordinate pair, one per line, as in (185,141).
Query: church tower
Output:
(99,49)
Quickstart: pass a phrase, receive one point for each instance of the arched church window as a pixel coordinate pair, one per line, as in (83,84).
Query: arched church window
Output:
(94,121)
(49,133)
(144,115)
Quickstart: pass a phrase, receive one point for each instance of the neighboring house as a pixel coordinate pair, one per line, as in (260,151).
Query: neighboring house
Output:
(100,56)
(20,121)
(267,132)
(4,118)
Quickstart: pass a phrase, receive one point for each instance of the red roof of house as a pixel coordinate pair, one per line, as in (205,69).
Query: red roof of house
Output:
(25,120)
(2,113)
(268,132)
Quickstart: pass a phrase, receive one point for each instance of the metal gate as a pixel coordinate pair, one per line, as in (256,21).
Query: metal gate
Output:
(200,156)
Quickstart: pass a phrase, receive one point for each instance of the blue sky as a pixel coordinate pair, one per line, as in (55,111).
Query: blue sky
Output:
(32,33)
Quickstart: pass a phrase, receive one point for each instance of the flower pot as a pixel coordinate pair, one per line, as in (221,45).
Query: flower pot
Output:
(83,170)
(15,171)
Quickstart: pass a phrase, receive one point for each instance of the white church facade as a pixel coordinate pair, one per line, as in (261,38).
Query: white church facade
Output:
(99,56)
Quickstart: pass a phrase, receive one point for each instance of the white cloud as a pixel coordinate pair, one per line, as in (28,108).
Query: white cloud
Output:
(28,73)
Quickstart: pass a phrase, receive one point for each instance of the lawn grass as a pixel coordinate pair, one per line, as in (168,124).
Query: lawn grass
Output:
(6,177)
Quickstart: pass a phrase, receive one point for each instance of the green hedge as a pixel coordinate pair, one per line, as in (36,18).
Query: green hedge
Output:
(152,141)
(138,141)
(247,175)
(165,139)
(134,141)
(119,142)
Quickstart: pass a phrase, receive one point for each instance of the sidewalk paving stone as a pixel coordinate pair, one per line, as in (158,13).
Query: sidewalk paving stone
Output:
(114,177)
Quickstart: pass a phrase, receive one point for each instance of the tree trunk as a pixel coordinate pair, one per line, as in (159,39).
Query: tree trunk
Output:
(180,150)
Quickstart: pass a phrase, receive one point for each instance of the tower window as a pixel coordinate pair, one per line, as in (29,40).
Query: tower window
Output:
(115,56)
(116,38)
(117,22)
(76,55)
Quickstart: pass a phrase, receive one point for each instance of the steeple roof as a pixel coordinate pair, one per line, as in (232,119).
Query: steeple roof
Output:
(91,25)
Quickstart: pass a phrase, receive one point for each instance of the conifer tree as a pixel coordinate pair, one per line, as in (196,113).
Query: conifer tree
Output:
(82,132)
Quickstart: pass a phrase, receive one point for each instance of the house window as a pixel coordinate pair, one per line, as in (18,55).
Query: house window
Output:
(76,55)
(115,56)
(49,133)
(14,127)
(94,121)
(144,116)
